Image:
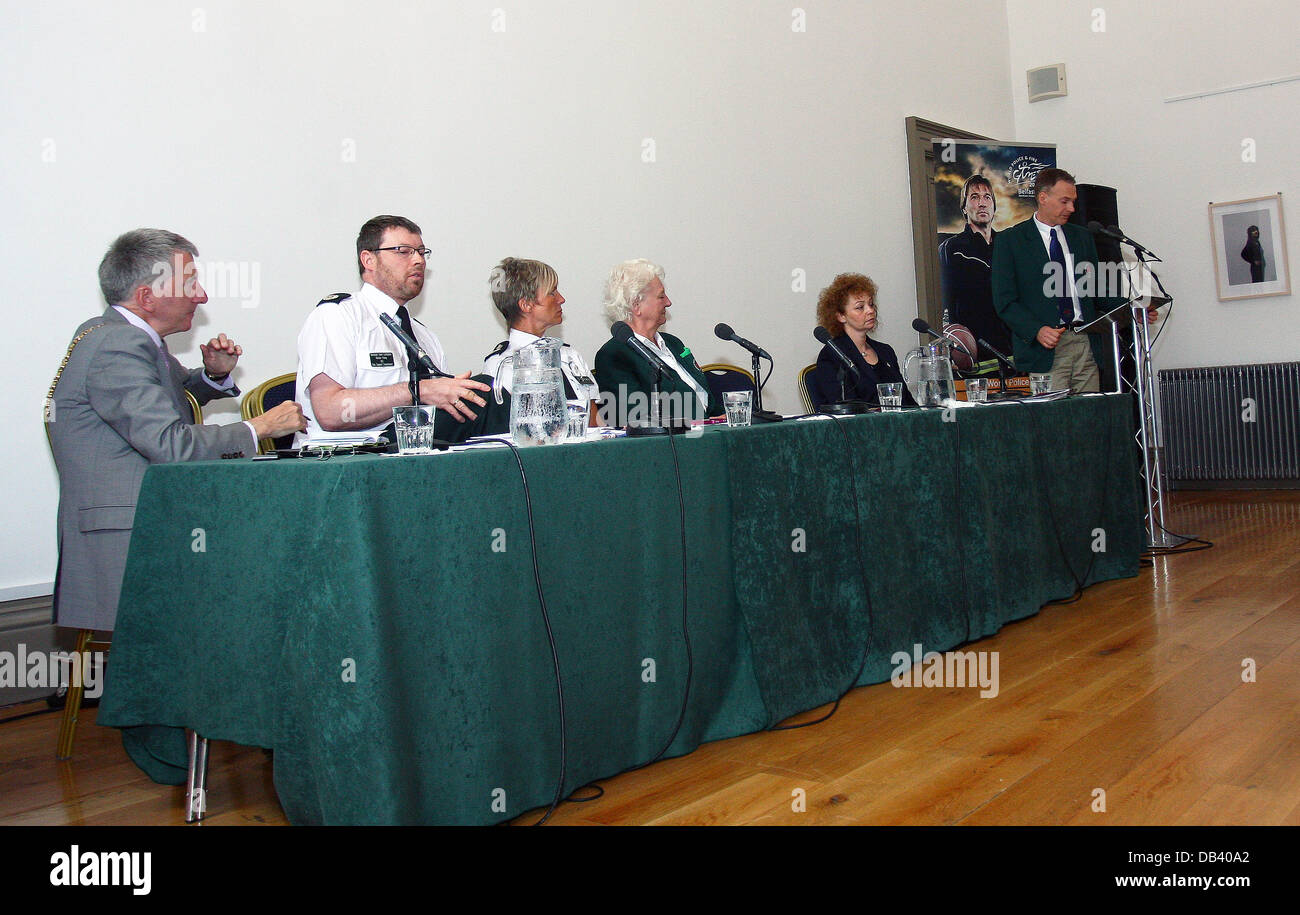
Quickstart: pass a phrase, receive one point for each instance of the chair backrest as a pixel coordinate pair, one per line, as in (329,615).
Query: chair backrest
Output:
(723,377)
(194,405)
(268,394)
(805,386)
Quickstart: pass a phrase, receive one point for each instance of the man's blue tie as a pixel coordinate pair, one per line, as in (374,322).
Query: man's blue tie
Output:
(1064,303)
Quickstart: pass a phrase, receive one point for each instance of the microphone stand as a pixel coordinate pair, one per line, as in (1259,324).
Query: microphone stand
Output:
(1003,365)
(847,406)
(758,414)
(656,426)
(1149,437)
(414,381)
(1002,378)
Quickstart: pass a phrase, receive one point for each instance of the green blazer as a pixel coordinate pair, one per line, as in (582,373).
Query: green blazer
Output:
(1018,294)
(620,371)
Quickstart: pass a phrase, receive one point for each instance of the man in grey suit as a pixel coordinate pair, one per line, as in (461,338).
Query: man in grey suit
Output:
(118,405)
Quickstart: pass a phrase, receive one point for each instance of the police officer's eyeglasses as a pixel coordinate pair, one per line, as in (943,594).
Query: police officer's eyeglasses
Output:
(406,250)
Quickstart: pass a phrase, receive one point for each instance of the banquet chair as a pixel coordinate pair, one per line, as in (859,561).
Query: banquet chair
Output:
(268,394)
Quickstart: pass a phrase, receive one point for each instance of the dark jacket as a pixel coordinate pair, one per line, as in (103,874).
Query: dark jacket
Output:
(620,372)
(1022,301)
(826,377)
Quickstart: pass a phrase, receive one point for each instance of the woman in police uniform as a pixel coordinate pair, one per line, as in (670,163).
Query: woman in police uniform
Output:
(527,293)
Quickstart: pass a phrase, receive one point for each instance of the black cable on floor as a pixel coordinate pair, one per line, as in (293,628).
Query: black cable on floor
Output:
(866,589)
(1175,550)
(546,619)
(38,712)
(956,501)
(686,629)
(686,639)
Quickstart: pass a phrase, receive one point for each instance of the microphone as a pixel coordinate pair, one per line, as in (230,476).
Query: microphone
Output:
(623,334)
(1114,232)
(921,327)
(412,348)
(1097,228)
(1002,357)
(1128,241)
(724,332)
(824,336)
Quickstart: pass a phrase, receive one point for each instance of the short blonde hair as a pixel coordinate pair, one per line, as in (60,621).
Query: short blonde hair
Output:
(516,278)
(626,285)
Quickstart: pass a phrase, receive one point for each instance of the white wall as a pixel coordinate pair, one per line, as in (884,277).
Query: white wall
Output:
(775,150)
(1169,160)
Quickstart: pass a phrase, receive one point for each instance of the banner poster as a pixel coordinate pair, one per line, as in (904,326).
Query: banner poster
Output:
(980,189)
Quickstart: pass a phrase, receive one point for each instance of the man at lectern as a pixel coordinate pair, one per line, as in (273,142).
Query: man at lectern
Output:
(1045,285)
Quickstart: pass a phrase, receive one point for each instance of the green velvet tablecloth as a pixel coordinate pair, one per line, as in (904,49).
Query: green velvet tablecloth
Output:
(375,620)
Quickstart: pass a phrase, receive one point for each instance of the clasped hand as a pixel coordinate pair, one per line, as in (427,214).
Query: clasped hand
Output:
(220,355)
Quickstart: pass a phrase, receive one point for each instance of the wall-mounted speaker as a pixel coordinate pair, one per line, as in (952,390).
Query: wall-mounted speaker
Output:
(1046,82)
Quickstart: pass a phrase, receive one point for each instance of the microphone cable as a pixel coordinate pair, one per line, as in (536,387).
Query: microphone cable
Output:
(1153,551)
(866,589)
(956,501)
(686,629)
(766,378)
(546,620)
(686,639)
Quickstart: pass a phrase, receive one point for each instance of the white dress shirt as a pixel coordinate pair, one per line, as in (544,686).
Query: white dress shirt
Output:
(666,354)
(1046,233)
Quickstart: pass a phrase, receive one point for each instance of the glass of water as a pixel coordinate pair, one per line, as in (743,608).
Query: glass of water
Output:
(578,416)
(414,428)
(977,390)
(740,407)
(891,396)
(1040,383)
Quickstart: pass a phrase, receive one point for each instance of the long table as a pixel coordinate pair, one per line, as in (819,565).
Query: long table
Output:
(375,620)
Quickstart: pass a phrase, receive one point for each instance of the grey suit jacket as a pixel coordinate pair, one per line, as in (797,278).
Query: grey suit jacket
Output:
(119,407)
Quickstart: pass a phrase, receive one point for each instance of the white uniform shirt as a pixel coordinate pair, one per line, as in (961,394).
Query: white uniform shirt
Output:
(346,341)
(571,363)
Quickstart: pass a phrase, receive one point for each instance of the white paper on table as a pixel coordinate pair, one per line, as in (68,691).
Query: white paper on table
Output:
(343,438)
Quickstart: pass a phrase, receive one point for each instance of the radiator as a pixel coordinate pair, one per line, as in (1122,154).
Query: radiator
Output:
(1232,423)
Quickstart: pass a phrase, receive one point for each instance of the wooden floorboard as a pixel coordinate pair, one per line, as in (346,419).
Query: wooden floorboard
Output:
(1133,694)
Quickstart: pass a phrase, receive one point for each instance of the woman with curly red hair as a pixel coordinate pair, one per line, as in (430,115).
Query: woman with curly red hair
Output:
(847,309)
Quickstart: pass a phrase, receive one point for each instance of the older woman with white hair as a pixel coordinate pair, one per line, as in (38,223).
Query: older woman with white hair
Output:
(634,294)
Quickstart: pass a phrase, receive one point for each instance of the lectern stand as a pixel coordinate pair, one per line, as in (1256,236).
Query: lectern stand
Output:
(1148,427)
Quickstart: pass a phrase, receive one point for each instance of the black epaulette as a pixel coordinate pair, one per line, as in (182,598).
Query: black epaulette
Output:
(336,297)
(501,348)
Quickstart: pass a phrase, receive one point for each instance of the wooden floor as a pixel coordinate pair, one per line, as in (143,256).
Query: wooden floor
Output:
(1132,696)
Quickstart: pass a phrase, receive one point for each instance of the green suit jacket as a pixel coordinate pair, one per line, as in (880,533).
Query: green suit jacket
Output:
(1020,297)
(620,372)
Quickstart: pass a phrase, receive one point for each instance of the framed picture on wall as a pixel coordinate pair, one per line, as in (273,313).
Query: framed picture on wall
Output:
(1249,248)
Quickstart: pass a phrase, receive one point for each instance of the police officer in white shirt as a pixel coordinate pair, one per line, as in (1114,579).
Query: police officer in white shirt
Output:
(527,293)
(352,370)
